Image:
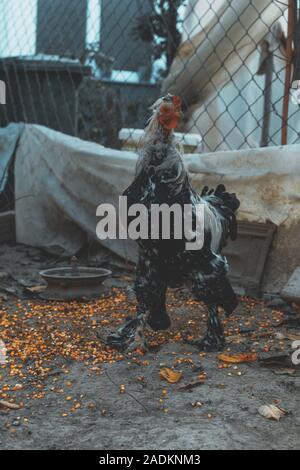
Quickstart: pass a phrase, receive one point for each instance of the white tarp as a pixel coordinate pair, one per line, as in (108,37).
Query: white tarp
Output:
(216,67)
(60,181)
(8,140)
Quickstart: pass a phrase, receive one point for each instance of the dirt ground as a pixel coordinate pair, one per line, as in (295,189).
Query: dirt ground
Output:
(74,393)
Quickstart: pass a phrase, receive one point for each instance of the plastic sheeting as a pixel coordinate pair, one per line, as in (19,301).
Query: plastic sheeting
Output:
(60,181)
(8,140)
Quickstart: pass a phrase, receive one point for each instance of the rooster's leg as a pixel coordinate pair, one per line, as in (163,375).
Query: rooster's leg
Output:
(214,339)
(213,288)
(150,292)
(138,339)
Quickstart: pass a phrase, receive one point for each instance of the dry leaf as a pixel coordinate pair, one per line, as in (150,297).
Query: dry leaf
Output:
(11,406)
(170,375)
(280,336)
(36,289)
(271,412)
(285,371)
(290,336)
(296,307)
(238,358)
(282,360)
(193,384)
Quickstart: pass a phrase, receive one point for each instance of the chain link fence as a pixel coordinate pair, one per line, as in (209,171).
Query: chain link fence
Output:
(91,67)
(231,68)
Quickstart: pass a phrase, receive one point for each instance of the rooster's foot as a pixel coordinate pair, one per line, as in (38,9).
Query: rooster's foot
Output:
(138,343)
(117,342)
(128,337)
(122,345)
(207,344)
(159,322)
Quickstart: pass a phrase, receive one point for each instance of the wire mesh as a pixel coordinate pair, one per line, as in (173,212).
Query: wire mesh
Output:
(90,67)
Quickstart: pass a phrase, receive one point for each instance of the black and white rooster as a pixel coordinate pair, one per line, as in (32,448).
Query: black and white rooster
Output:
(161,178)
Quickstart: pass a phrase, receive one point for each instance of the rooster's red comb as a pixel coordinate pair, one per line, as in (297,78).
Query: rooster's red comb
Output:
(177,101)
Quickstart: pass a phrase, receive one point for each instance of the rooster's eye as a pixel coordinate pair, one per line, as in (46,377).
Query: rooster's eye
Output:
(166,109)
(168,98)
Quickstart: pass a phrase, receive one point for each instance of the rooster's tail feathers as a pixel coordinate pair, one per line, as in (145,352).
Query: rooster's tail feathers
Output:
(226,203)
(229,199)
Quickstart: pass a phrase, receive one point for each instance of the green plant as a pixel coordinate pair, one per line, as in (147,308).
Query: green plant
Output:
(161,28)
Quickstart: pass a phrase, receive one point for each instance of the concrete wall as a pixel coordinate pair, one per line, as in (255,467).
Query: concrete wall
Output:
(61,27)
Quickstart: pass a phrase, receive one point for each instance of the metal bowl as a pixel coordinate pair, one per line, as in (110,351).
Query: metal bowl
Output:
(74,283)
